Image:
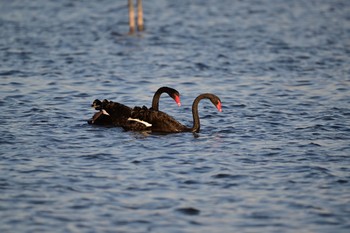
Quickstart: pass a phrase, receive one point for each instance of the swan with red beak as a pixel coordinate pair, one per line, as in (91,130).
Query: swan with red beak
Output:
(157,121)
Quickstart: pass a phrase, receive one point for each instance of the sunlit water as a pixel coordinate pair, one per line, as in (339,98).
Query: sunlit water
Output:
(275,160)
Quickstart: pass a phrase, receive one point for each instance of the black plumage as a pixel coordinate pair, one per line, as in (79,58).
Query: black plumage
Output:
(163,123)
(117,114)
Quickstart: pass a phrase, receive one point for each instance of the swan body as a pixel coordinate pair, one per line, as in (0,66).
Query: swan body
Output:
(117,114)
(111,113)
(163,123)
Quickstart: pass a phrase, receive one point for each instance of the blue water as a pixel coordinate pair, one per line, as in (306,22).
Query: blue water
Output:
(277,159)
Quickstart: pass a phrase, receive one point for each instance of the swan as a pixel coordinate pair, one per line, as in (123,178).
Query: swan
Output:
(117,114)
(144,119)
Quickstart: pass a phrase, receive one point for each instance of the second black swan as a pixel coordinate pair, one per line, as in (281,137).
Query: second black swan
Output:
(116,114)
(143,119)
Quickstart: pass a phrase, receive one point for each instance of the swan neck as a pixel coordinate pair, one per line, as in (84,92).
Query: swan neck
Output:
(196,121)
(155,100)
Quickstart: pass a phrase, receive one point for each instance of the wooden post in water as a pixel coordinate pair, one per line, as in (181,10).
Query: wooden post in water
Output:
(131,17)
(140,26)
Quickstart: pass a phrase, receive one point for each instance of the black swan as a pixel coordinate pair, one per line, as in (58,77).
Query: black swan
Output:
(143,119)
(116,114)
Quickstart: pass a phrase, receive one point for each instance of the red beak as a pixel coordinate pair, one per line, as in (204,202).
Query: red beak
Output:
(177,100)
(218,106)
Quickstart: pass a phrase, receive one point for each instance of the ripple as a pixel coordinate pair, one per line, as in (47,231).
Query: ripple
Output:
(188,211)
(228,176)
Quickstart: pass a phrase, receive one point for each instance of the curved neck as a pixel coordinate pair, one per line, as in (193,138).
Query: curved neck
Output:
(156,97)
(196,122)
(213,98)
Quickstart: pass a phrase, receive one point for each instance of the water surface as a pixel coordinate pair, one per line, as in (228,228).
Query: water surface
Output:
(275,160)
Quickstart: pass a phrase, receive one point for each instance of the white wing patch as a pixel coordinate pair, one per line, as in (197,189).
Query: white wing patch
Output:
(137,120)
(105,112)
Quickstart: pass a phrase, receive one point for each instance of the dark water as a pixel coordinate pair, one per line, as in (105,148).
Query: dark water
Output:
(277,159)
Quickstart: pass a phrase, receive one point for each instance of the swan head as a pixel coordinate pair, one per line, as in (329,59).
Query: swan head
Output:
(177,99)
(216,101)
(171,92)
(174,94)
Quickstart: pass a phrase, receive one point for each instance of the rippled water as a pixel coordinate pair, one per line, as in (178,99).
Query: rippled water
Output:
(275,160)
